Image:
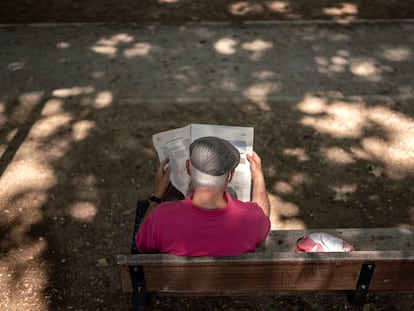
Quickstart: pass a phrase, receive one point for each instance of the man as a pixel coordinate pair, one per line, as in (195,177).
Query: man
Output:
(208,222)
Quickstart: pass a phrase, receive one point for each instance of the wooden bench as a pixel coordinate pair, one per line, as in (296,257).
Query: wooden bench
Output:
(383,263)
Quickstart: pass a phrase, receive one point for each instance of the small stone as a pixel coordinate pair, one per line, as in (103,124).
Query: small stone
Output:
(102,262)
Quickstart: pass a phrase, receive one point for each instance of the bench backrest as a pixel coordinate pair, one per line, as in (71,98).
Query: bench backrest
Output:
(268,271)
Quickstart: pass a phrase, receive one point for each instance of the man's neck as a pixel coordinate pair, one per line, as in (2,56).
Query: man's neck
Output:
(209,199)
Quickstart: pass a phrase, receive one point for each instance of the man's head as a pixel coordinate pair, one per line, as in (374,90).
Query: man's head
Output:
(212,161)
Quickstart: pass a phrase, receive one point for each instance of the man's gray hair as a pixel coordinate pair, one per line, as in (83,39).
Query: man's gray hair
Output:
(211,160)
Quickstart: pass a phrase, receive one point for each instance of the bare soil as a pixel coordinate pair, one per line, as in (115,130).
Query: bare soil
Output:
(57,245)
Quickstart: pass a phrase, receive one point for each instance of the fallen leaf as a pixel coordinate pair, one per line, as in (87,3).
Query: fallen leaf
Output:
(375,170)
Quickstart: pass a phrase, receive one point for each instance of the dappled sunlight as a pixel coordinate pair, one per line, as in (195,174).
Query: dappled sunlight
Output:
(345,10)
(337,63)
(81,129)
(242,8)
(225,46)
(284,188)
(339,119)
(24,174)
(257,48)
(73,91)
(139,49)
(298,153)
(397,54)
(103,100)
(49,126)
(284,214)
(25,184)
(63,45)
(366,68)
(23,274)
(259,93)
(109,46)
(337,155)
(391,145)
(83,211)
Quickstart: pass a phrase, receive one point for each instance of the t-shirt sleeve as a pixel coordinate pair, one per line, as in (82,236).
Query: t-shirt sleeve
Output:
(146,237)
(264,226)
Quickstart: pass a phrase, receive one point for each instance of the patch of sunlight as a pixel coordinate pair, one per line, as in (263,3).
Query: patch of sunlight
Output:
(25,173)
(312,105)
(298,179)
(86,188)
(282,7)
(98,74)
(299,153)
(15,66)
(226,46)
(366,68)
(168,1)
(105,50)
(284,214)
(109,46)
(63,45)
(393,145)
(397,54)
(283,187)
(28,100)
(397,149)
(278,6)
(53,107)
(139,49)
(257,48)
(81,129)
(242,8)
(83,211)
(103,100)
(339,119)
(23,274)
(338,63)
(229,85)
(337,155)
(195,88)
(263,75)
(345,9)
(258,93)
(50,125)
(73,91)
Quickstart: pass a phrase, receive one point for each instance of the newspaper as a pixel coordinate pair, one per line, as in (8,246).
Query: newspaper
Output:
(174,145)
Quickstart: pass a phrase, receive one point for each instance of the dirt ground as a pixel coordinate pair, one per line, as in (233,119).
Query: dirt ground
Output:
(71,172)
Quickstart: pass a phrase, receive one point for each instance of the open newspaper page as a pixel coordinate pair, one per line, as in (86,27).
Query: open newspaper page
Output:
(242,139)
(174,144)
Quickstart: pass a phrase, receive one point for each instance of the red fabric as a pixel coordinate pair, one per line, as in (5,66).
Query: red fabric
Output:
(180,228)
(322,242)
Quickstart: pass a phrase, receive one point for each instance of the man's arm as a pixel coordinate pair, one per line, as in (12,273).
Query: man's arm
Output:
(259,194)
(162,182)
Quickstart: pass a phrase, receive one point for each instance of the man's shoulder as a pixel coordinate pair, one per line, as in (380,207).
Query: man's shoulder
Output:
(168,206)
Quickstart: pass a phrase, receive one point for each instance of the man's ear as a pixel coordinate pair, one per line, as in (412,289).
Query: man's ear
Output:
(187,166)
(230,177)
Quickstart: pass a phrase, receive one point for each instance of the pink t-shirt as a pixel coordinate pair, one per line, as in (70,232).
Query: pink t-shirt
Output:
(180,228)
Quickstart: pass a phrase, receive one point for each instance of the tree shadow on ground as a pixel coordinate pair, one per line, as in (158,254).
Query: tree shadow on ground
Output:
(181,11)
(331,108)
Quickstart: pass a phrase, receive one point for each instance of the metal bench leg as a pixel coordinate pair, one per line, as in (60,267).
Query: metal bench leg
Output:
(140,297)
(357,298)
